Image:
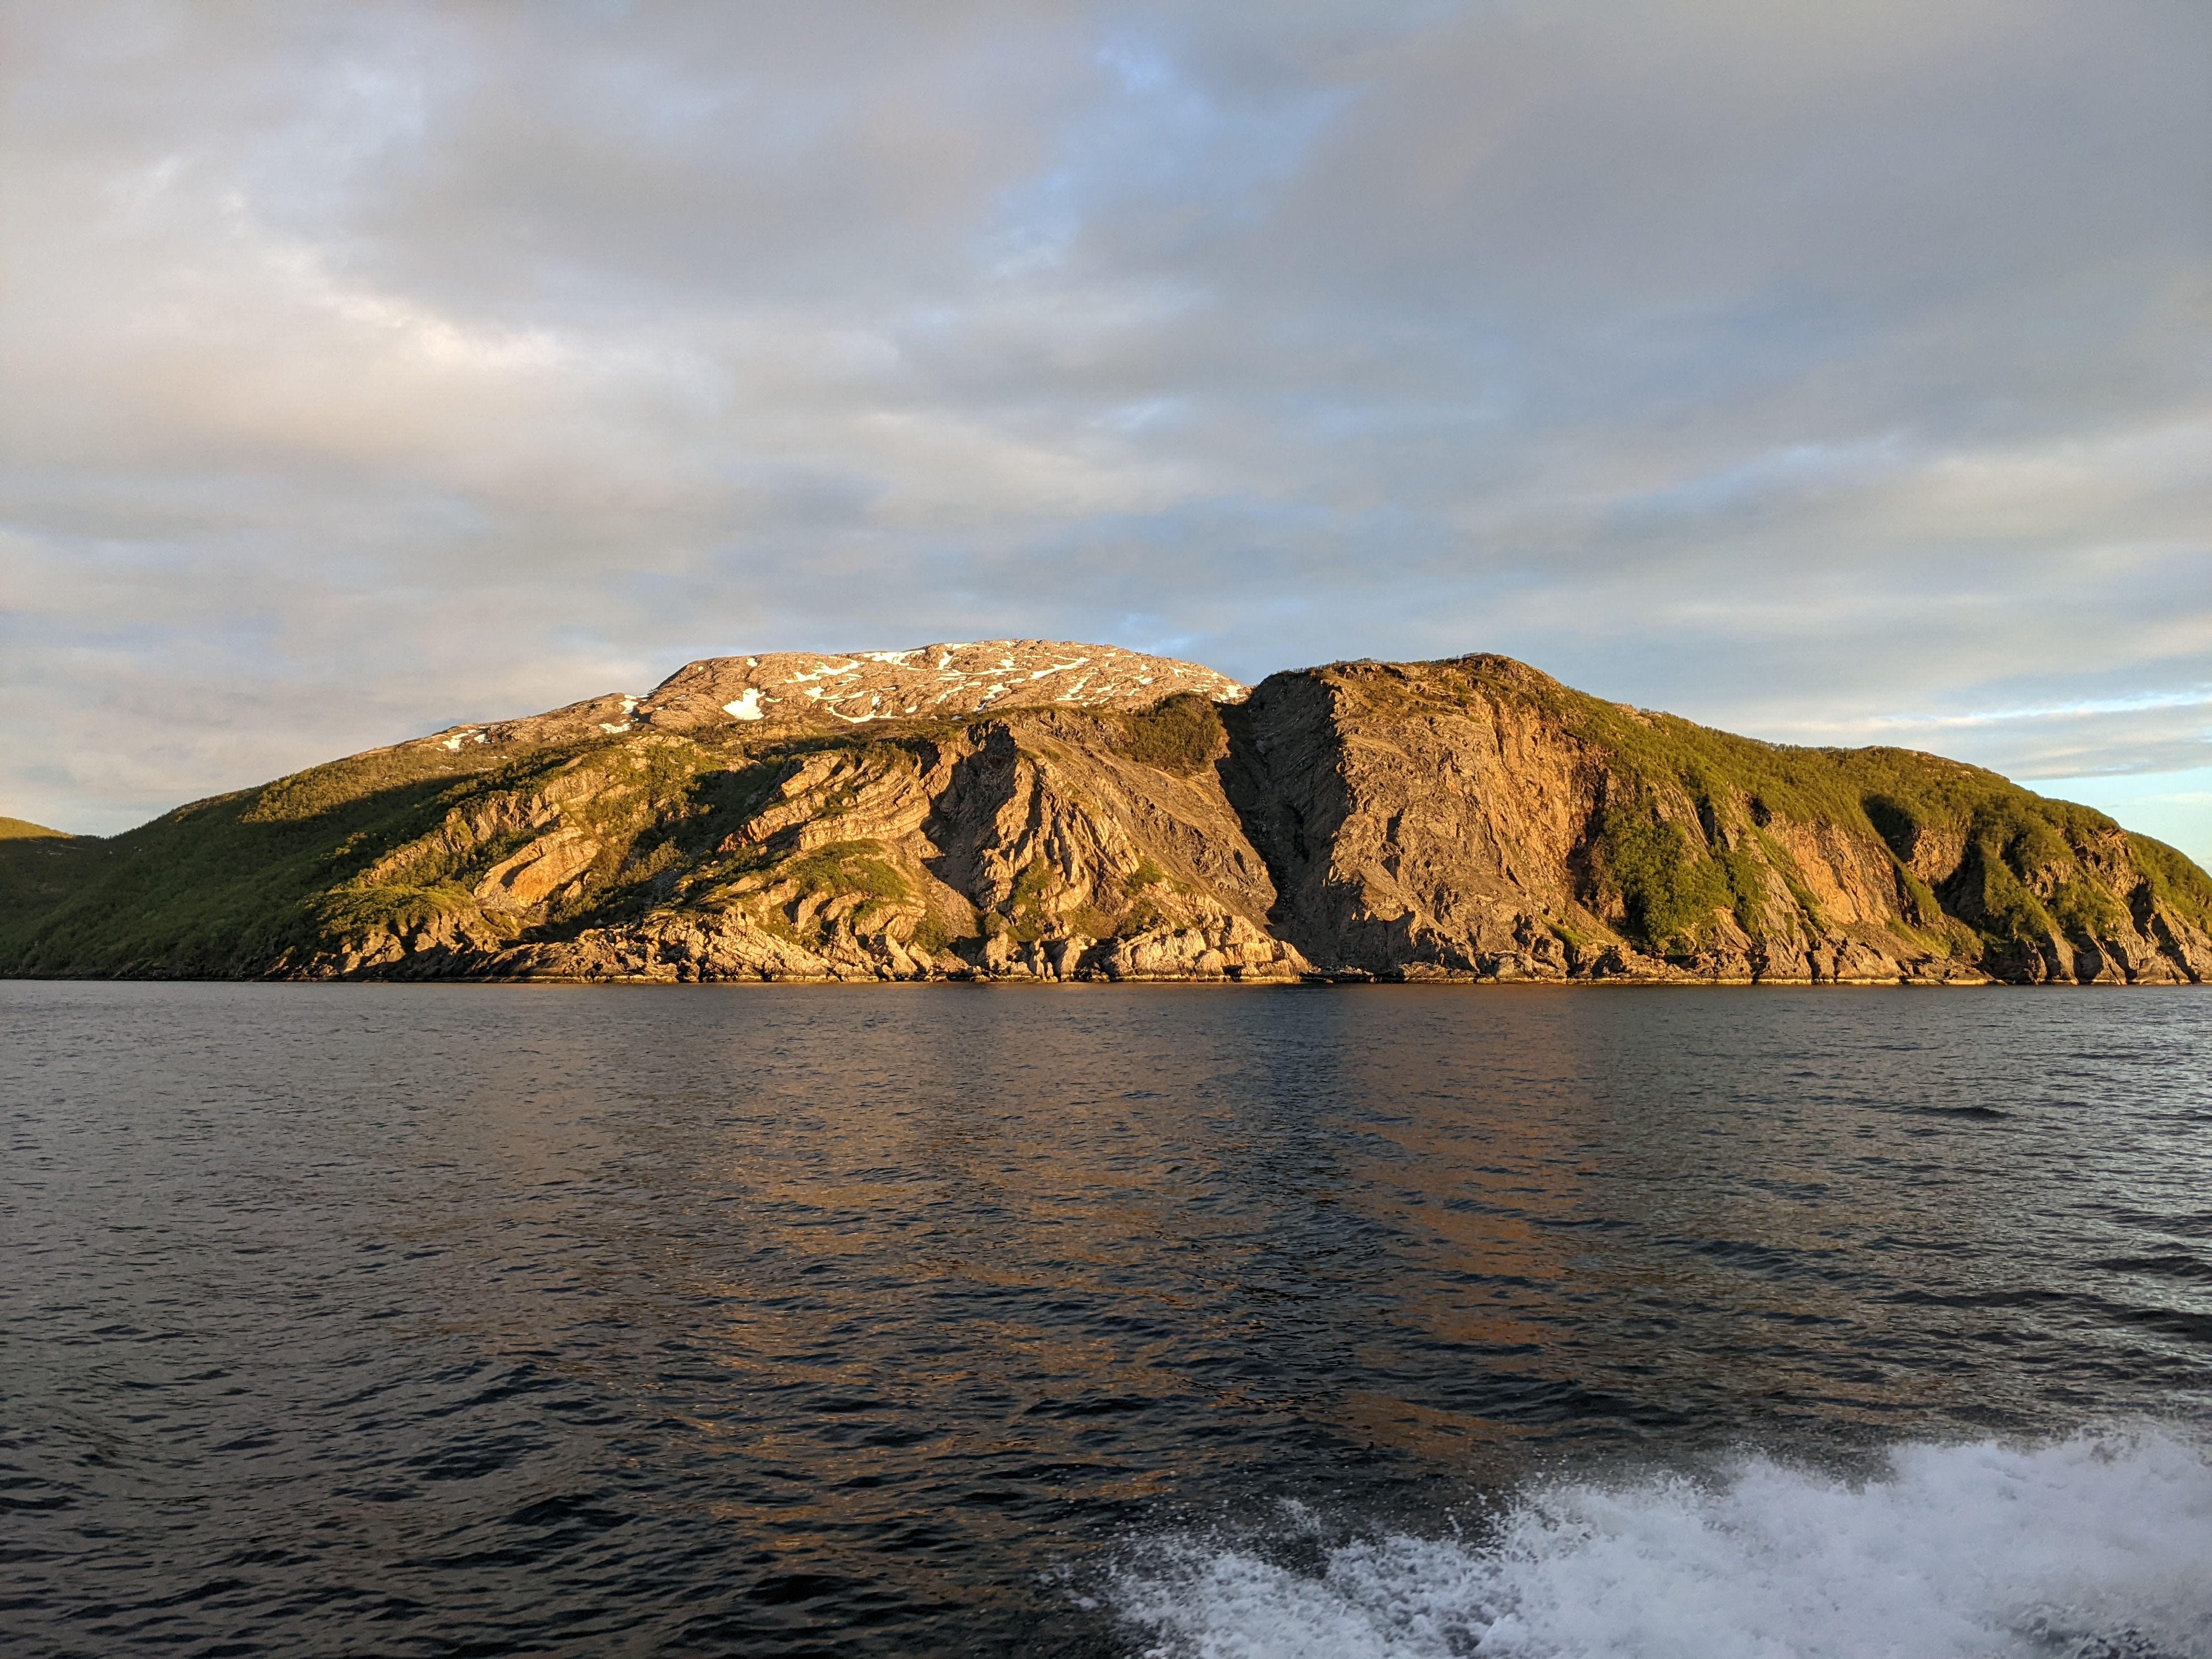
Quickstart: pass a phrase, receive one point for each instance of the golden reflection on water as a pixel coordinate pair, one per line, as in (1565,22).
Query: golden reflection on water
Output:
(1034,1234)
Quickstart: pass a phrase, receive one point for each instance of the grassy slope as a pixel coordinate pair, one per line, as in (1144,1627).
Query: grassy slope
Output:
(222,885)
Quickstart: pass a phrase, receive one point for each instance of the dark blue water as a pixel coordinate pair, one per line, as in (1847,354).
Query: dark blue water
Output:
(388,1321)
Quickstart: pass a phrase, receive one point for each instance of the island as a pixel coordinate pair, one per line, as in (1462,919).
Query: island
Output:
(1045,810)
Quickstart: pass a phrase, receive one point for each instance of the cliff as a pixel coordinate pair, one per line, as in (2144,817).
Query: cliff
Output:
(1040,809)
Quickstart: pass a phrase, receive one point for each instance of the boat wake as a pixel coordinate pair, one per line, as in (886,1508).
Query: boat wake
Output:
(2099,1547)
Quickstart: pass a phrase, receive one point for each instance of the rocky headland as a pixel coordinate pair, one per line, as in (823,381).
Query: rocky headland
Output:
(1035,809)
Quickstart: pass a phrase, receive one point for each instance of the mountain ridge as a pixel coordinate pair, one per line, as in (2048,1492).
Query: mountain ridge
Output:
(1047,809)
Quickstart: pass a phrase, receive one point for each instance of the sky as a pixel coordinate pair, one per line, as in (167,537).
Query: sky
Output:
(1831,373)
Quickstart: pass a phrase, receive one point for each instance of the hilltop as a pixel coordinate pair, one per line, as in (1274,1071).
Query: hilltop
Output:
(1034,809)
(24,829)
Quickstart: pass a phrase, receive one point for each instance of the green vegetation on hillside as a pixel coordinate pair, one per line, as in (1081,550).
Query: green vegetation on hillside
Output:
(1178,734)
(1674,855)
(1670,889)
(224,886)
(41,869)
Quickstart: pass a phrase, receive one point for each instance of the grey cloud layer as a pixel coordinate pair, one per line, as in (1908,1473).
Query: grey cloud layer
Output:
(1834,373)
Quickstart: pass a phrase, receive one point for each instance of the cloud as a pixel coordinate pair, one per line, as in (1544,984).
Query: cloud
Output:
(1819,372)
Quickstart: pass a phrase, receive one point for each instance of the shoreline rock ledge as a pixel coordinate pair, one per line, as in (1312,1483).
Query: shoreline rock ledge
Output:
(1044,811)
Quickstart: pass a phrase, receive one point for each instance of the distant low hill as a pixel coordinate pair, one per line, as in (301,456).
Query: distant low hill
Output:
(24,829)
(41,869)
(1031,809)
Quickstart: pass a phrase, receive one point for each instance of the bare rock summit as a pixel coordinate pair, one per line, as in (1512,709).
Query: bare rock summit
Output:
(929,682)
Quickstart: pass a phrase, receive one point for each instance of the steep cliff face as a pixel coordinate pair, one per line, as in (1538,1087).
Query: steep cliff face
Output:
(1061,811)
(1476,819)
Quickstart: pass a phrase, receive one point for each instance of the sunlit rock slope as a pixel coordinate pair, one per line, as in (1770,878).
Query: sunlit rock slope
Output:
(1036,810)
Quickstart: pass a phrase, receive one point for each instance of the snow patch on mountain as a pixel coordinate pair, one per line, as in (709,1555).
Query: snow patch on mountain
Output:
(946,678)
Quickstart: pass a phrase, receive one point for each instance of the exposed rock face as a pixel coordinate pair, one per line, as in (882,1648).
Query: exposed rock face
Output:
(961,853)
(1028,810)
(797,691)
(1474,819)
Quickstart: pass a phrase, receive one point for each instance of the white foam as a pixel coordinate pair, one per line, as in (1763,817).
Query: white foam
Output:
(2097,1548)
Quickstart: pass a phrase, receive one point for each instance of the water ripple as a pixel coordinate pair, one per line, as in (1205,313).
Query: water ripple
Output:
(375,1320)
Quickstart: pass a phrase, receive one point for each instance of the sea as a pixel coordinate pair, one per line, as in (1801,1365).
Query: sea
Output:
(1174,1322)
